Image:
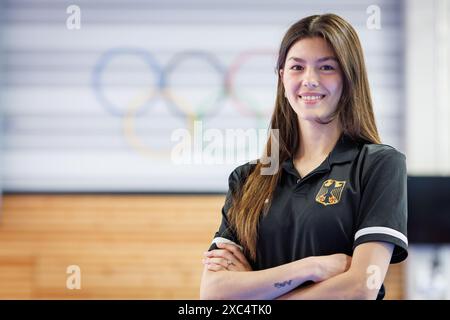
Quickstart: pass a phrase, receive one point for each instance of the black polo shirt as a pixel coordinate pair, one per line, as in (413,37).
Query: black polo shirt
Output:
(356,195)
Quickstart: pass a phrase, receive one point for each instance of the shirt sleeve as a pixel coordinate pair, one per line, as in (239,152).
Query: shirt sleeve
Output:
(226,233)
(382,214)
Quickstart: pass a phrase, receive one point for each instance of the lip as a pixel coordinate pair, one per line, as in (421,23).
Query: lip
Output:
(308,94)
(311,94)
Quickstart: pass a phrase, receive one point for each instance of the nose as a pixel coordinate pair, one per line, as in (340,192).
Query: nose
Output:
(310,79)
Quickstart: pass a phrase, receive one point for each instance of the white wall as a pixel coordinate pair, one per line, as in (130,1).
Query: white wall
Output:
(62,133)
(427,76)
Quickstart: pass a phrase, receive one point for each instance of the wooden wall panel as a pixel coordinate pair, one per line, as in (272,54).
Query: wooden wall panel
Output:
(128,247)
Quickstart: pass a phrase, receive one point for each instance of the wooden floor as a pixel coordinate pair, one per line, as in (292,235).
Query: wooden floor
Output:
(127,247)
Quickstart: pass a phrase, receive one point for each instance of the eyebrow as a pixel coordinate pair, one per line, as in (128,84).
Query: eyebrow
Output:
(318,60)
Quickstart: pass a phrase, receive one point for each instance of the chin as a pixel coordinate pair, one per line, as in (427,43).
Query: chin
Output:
(307,114)
(312,117)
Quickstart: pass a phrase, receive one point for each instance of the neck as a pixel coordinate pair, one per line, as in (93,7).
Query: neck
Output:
(317,140)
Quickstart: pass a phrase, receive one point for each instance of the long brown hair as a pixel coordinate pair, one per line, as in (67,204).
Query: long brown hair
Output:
(354,111)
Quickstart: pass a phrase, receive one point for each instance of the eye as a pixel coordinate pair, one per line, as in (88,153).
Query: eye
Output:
(297,67)
(327,68)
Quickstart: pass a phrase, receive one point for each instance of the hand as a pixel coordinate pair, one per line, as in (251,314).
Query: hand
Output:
(227,257)
(331,265)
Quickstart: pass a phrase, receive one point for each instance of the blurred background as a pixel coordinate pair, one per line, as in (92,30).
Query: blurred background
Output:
(118,132)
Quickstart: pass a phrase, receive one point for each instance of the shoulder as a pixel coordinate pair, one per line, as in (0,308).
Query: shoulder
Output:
(382,161)
(374,153)
(240,174)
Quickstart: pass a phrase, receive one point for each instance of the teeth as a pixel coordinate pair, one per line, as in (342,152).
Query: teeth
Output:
(311,98)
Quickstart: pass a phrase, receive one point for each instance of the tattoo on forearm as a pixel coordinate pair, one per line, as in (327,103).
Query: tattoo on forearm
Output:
(282,284)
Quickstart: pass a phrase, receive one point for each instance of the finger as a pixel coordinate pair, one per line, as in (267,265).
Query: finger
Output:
(228,255)
(220,261)
(220,266)
(233,265)
(221,253)
(236,252)
(215,267)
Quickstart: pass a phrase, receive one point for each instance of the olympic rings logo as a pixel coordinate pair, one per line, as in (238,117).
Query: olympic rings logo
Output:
(177,105)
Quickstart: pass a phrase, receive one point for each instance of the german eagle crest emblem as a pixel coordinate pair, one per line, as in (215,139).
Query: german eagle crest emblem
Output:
(330,192)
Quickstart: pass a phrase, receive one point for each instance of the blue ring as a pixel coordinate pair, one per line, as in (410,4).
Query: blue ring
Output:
(173,62)
(99,69)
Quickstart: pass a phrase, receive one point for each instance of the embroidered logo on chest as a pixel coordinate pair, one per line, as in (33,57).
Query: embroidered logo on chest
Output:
(330,192)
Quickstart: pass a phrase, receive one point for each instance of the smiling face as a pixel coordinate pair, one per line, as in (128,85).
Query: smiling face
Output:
(312,79)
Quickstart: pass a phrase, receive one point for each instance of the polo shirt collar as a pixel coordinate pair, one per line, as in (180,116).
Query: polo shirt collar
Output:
(345,150)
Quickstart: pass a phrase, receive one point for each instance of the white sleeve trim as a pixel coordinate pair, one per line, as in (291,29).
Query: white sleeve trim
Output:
(384,230)
(225,240)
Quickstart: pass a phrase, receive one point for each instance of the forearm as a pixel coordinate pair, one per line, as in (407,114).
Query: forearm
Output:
(370,260)
(348,286)
(264,284)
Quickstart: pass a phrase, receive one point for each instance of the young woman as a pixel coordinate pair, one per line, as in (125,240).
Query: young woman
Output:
(338,192)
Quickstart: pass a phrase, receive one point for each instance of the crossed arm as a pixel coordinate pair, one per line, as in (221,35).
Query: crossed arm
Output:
(334,277)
